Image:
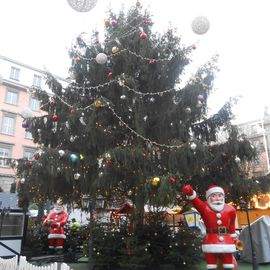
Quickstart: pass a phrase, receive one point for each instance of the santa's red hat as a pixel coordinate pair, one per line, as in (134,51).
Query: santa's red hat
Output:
(213,189)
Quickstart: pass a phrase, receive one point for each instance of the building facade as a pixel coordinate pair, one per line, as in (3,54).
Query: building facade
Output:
(15,101)
(258,133)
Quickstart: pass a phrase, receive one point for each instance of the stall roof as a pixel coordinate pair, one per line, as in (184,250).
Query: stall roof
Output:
(10,200)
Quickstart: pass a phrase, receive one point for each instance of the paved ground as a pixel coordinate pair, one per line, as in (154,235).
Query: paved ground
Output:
(242,266)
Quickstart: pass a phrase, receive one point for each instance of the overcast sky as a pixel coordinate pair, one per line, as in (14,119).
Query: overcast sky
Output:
(39,33)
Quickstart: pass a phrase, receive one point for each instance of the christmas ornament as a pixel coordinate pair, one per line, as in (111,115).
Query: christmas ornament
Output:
(110,75)
(199,104)
(76,176)
(25,124)
(27,113)
(22,181)
(172,180)
(107,22)
(82,5)
(193,46)
(98,103)
(152,99)
(193,146)
(155,181)
(81,157)
(74,158)
(188,110)
(143,36)
(123,97)
(61,153)
(200,25)
(37,156)
(237,160)
(115,49)
(101,58)
(200,98)
(55,118)
(152,61)
(109,162)
(72,138)
(114,22)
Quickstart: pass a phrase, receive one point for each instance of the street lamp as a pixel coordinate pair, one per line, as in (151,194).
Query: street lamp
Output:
(89,204)
(244,206)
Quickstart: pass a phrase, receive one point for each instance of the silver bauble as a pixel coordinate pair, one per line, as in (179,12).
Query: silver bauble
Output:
(82,5)
(101,58)
(200,25)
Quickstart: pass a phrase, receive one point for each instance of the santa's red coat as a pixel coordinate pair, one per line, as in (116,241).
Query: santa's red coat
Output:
(220,227)
(56,221)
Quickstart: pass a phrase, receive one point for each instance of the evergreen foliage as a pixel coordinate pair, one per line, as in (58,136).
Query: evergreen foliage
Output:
(131,129)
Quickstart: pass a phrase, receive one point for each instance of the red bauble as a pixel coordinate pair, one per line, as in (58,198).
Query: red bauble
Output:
(193,46)
(143,36)
(152,61)
(109,162)
(145,155)
(55,118)
(145,21)
(210,149)
(37,156)
(110,75)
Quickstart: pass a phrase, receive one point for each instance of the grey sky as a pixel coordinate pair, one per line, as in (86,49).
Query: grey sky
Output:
(39,33)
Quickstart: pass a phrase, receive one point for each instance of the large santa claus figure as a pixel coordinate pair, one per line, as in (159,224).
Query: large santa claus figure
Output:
(56,220)
(219,219)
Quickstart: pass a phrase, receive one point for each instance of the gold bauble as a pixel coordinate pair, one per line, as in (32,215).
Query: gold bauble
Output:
(155,181)
(107,22)
(98,103)
(115,49)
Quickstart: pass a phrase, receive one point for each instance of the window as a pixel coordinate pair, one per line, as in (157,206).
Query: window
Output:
(11,97)
(34,104)
(12,225)
(28,135)
(8,124)
(14,73)
(5,153)
(37,80)
(28,153)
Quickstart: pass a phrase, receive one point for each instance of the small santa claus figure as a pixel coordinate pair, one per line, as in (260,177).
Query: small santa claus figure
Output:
(219,219)
(56,220)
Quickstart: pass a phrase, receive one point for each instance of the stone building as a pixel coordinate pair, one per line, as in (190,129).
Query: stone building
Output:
(16,101)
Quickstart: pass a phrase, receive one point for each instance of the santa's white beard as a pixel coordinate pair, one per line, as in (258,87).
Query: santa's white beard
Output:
(216,207)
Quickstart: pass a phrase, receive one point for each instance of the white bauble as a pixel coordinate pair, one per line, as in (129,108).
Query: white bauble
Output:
(101,58)
(61,153)
(26,113)
(200,25)
(82,5)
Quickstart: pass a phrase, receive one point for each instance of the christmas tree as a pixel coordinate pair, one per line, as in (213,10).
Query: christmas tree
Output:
(129,127)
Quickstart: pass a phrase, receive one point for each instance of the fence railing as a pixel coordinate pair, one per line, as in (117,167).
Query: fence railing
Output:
(22,264)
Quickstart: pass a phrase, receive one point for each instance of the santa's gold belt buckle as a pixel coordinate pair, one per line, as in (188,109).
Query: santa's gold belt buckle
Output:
(222,230)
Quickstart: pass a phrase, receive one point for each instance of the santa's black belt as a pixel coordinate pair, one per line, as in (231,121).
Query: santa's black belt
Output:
(219,230)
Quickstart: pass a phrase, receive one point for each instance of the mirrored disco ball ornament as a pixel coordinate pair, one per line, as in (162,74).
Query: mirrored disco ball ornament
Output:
(82,5)
(200,25)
